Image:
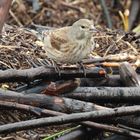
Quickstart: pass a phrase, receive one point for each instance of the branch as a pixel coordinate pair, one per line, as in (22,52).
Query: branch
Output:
(128,75)
(39,111)
(42,72)
(106,94)
(50,102)
(35,110)
(76,117)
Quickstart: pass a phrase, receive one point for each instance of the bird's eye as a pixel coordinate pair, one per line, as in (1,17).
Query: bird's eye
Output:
(82,27)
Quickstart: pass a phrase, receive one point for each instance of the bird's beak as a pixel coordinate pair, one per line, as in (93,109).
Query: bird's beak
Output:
(93,29)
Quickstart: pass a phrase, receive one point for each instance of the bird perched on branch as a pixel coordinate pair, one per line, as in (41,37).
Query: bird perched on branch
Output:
(70,44)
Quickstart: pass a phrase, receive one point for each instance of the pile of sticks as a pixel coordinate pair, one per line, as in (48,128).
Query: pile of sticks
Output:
(109,103)
(69,101)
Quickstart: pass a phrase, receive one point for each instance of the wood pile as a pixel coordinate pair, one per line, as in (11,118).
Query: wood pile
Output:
(107,99)
(101,101)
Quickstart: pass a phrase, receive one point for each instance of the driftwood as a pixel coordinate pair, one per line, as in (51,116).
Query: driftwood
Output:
(49,102)
(38,111)
(106,94)
(63,119)
(128,75)
(56,103)
(48,73)
(109,81)
(39,86)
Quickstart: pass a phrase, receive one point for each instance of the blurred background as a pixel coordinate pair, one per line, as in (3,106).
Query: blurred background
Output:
(115,14)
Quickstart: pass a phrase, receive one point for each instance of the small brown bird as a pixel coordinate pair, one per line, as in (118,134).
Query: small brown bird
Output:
(70,44)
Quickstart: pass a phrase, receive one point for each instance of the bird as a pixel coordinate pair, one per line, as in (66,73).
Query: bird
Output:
(70,44)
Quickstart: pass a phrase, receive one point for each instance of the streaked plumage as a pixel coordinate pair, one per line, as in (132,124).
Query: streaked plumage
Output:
(70,44)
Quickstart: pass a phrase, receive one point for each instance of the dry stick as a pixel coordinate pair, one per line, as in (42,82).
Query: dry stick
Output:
(109,81)
(50,102)
(106,94)
(39,86)
(55,103)
(48,73)
(72,118)
(114,58)
(128,75)
(35,110)
(15,18)
(130,78)
(40,111)
(4,9)
(128,128)
(78,9)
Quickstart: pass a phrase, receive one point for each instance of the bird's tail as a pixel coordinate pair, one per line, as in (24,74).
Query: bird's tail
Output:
(38,30)
(39,33)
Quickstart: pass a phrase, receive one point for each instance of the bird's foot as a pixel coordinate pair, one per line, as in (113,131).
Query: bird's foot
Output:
(83,68)
(56,67)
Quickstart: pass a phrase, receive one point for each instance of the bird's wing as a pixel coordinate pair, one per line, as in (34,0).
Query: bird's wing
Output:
(58,38)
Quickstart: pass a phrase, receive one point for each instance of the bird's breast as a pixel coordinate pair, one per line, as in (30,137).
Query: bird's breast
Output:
(71,52)
(81,51)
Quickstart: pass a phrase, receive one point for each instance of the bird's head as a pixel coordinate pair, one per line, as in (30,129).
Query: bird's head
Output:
(83,28)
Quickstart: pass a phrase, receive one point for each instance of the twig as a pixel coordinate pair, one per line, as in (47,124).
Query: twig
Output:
(132,47)
(15,18)
(35,110)
(128,128)
(78,9)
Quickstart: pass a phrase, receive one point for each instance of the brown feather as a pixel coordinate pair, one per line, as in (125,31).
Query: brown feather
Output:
(57,39)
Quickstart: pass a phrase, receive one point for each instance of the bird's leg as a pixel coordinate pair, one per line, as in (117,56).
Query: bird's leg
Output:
(56,67)
(82,67)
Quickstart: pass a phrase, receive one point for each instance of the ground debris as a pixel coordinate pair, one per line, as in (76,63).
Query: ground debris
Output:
(20,50)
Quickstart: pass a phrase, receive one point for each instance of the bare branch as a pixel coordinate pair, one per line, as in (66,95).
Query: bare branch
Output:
(105,114)
(47,73)
(4,9)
